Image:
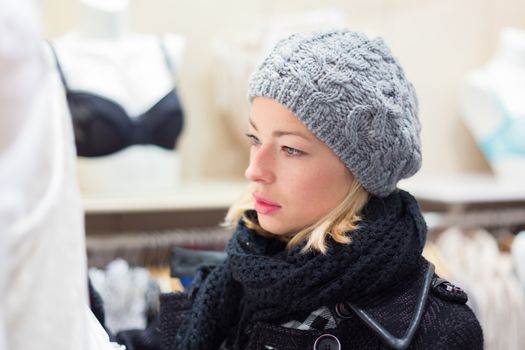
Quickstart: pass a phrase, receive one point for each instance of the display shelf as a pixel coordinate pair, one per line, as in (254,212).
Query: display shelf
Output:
(465,189)
(469,200)
(190,195)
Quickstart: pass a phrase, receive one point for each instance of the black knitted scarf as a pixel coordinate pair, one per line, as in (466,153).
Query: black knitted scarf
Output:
(262,281)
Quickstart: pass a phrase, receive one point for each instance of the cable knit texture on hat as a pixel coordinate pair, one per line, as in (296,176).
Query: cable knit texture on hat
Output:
(353,95)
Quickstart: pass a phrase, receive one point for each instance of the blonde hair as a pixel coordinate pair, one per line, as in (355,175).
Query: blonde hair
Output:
(337,223)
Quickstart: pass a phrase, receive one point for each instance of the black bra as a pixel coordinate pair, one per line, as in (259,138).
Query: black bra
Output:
(102,126)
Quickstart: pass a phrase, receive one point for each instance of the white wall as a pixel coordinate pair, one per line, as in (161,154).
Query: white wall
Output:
(437,42)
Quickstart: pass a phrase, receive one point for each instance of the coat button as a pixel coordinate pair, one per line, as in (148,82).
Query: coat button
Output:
(342,310)
(327,342)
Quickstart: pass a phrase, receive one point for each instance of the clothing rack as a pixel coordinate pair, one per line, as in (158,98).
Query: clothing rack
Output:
(151,248)
(473,224)
(488,218)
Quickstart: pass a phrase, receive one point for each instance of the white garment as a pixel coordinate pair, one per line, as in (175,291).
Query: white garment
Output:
(474,257)
(43,278)
(518,257)
(124,290)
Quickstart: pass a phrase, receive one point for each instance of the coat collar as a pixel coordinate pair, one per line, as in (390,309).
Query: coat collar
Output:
(395,317)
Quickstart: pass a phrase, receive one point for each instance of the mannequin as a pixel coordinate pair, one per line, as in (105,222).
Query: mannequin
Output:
(130,71)
(43,284)
(494,108)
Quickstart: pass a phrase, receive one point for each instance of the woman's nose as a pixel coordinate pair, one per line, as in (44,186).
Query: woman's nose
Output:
(261,166)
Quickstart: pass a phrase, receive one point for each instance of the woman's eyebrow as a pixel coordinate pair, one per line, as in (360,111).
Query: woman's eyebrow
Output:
(253,124)
(279,133)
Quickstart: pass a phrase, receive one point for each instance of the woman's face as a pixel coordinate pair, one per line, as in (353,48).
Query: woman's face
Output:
(296,178)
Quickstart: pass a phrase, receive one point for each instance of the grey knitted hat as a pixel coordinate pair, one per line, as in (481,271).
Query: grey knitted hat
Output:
(353,95)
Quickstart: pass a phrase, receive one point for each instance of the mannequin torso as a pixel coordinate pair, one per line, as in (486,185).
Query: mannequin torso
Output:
(133,72)
(494,108)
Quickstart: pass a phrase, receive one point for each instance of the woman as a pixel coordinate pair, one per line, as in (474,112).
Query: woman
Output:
(331,256)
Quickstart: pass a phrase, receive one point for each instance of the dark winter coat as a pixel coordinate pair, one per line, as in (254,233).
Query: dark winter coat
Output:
(446,322)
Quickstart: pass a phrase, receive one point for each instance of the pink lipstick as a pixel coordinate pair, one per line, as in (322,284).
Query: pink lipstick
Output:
(264,206)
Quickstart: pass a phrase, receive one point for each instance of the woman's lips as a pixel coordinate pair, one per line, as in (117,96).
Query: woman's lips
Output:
(264,206)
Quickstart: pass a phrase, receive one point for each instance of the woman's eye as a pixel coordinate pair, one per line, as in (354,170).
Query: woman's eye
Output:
(253,139)
(292,151)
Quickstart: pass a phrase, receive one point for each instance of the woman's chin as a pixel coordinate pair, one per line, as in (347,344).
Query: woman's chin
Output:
(277,227)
